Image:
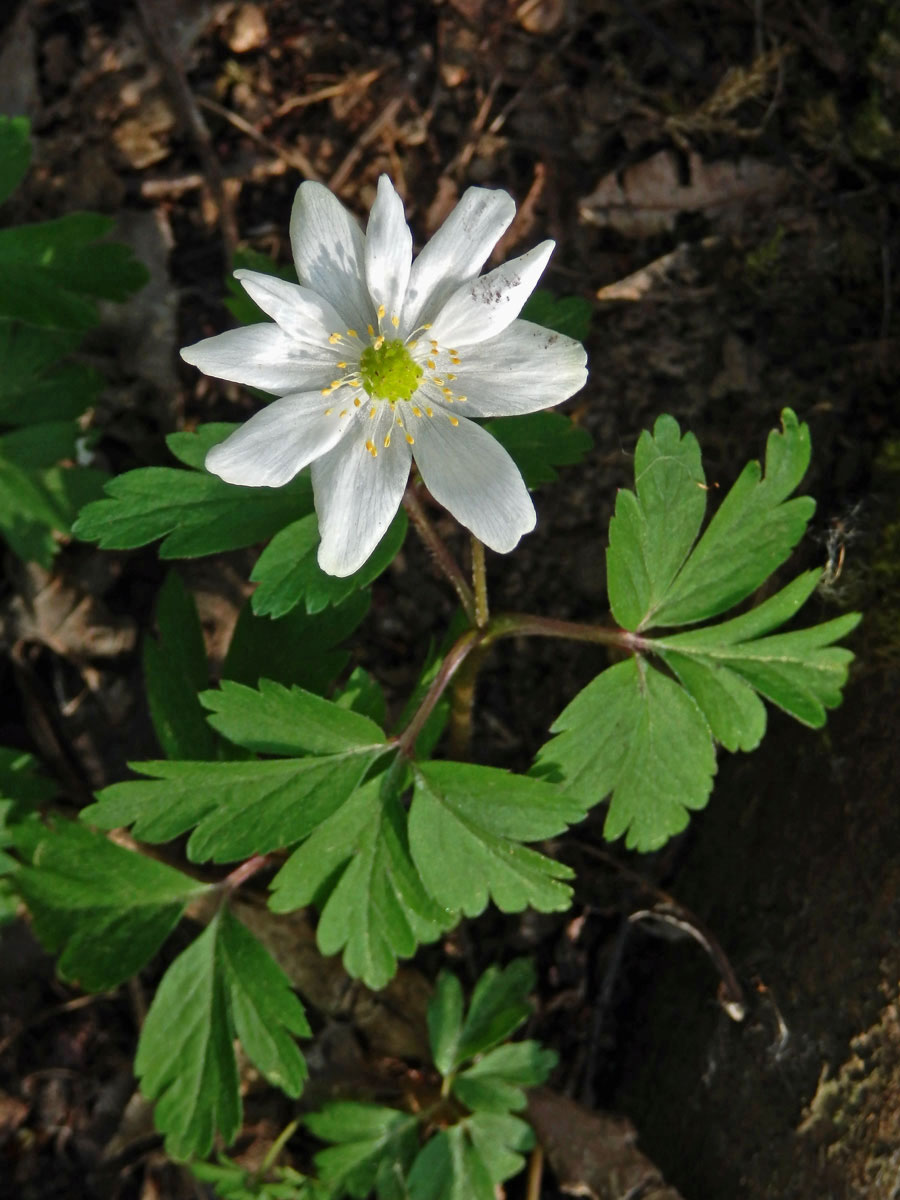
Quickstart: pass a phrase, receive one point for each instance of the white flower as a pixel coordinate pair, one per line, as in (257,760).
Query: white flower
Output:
(376,358)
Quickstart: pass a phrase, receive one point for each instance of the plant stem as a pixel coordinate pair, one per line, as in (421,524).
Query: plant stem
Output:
(456,656)
(479,583)
(442,556)
(471,649)
(245,871)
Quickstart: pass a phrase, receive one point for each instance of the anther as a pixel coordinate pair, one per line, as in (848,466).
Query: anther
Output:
(454,421)
(379,342)
(328,412)
(335,338)
(343,412)
(370,446)
(462,399)
(381,312)
(387,441)
(356,402)
(352,333)
(429,412)
(450,377)
(410,439)
(417,412)
(371,329)
(395,321)
(372,412)
(343,366)
(430,364)
(448,392)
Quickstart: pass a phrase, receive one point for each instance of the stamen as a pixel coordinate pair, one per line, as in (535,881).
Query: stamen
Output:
(343,412)
(379,342)
(328,412)
(370,446)
(343,366)
(356,402)
(335,383)
(372,412)
(430,364)
(387,441)
(462,399)
(448,392)
(334,338)
(395,320)
(429,412)
(410,439)
(454,421)
(412,345)
(428,326)
(371,329)
(352,333)
(417,412)
(327,391)
(381,312)
(450,377)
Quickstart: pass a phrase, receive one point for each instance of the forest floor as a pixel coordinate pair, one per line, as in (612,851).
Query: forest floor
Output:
(723,183)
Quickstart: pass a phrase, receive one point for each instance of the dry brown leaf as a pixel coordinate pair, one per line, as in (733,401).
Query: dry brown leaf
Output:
(541,16)
(593,1154)
(646,199)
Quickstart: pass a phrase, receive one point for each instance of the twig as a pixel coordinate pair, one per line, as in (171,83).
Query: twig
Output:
(385,117)
(293,157)
(192,119)
(360,83)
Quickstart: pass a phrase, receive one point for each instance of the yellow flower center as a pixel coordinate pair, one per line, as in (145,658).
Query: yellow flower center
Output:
(388,371)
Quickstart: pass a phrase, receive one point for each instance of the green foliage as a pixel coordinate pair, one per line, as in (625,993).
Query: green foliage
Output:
(377,1149)
(636,733)
(51,275)
(465,826)
(356,866)
(297,648)
(22,789)
(570,315)
(15,153)
(175,672)
(540,442)
(288,574)
(224,986)
(231,1181)
(107,909)
(195,513)
(244,310)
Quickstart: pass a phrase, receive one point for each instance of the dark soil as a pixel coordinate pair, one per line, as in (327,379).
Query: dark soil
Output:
(751,153)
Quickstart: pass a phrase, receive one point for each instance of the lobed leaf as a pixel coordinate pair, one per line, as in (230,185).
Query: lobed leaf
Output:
(570,315)
(494,1083)
(279,720)
(236,809)
(654,527)
(106,908)
(374,1147)
(288,574)
(466,824)
(356,866)
(194,514)
(34,386)
(638,735)
(225,985)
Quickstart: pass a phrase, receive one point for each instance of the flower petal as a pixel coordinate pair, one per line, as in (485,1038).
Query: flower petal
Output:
(302,314)
(483,307)
(261,356)
(388,250)
(474,478)
(330,252)
(357,494)
(523,369)
(456,253)
(280,440)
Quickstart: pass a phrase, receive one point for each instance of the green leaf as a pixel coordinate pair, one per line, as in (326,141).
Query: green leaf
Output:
(51,272)
(20,779)
(445,1022)
(724,666)
(15,153)
(363,694)
(194,514)
(652,531)
(295,649)
(500,1140)
(280,720)
(40,445)
(28,513)
(356,866)
(450,1167)
(540,442)
(34,387)
(238,808)
(494,1083)
(108,909)
(191,446)
(635,733)
(570,315)
(175,671)
(751,535)
(374,1147)
(230,1181)
(288,574)
(225,985)
(238,303)
(499,1005)
(465,826)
